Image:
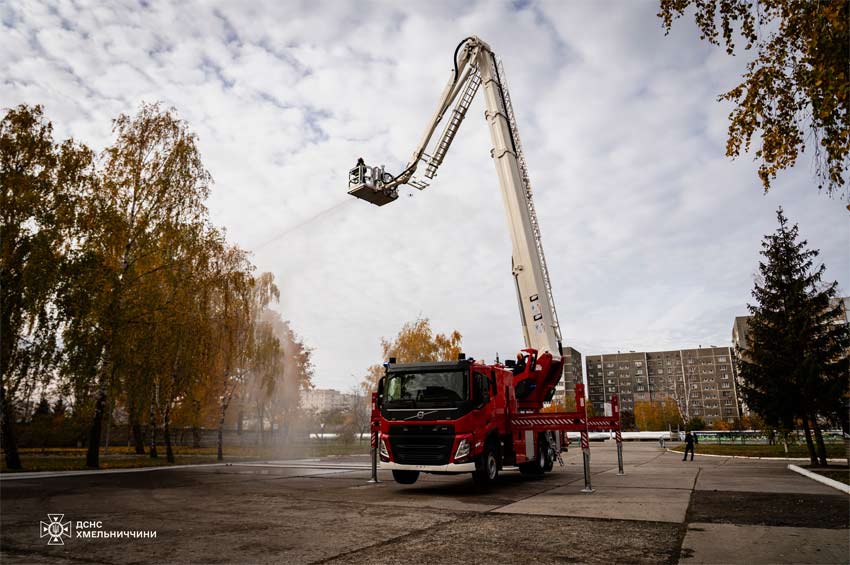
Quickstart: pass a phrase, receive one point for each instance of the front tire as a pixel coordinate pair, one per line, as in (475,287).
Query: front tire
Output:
(487,468)
(405,477)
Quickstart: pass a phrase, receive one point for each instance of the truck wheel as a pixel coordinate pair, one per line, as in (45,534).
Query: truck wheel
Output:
(405,477)
(487,469)
(549,455)
(538,466)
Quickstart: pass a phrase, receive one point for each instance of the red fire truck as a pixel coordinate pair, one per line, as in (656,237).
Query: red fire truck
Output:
(464,416)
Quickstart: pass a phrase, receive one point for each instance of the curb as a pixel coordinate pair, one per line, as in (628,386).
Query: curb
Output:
(833,460)
(20,476)
(821,479)
(295,464)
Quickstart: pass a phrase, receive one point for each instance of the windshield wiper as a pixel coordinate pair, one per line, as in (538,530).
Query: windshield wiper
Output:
(407,401)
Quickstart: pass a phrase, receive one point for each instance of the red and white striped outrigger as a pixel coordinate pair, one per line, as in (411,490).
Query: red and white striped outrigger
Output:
(577,421)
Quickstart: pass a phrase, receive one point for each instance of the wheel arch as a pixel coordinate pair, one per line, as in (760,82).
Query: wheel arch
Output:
(494,438)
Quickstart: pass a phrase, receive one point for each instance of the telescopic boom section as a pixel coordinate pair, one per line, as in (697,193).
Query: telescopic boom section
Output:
(475,66)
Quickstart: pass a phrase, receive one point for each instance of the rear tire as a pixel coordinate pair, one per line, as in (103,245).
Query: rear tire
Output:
(549,457)
(405,477)
(487,468)
(538,466)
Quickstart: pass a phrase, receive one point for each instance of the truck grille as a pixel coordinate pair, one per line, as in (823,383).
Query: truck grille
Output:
(421,445)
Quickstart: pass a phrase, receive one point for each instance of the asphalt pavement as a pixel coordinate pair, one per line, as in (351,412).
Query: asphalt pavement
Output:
(663,510)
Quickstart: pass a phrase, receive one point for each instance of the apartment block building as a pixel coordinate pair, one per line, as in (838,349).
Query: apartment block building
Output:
(701,381)
(325,399)
(573,374)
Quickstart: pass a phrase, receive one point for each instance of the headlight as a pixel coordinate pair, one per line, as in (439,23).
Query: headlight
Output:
(462,449)
(385,454)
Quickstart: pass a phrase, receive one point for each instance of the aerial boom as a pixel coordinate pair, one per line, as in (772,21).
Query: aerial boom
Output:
(464,415)
(475,66)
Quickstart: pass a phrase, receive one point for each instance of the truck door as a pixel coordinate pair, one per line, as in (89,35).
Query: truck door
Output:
(482,399)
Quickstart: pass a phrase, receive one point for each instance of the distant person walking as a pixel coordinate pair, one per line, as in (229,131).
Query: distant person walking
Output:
(689,446)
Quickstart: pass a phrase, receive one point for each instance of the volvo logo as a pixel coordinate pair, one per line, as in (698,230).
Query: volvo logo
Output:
(421,414)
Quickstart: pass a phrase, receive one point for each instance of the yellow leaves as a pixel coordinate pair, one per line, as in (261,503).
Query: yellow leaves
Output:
(417,342)
(796,83)
(657,415)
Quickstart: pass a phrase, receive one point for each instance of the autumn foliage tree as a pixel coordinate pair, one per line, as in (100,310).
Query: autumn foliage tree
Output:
(152,189)
(40,181)
(656,415)
(795,93)
(416,341)
(119,294)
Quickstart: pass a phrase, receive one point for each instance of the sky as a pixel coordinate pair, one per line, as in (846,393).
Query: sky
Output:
(652,235)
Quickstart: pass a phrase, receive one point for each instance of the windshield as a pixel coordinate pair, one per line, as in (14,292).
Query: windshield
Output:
(427,388)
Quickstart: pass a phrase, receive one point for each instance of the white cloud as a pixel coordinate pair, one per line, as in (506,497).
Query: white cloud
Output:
(651,234)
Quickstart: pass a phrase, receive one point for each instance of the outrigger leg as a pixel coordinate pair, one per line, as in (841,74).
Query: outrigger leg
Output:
(585,453)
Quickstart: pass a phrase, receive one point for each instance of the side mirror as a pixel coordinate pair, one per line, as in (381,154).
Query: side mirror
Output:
(381,383)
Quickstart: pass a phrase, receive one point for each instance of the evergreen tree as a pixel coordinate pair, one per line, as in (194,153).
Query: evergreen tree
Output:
(43,408)
(794,367)
(59,407)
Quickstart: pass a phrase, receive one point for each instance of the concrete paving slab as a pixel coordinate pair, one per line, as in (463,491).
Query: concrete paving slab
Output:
(651,504)
(497,539)
(646,478)
(732,544)
(758,479)
(437,503)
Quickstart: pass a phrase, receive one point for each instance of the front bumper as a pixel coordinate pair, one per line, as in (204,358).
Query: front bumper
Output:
(450,468)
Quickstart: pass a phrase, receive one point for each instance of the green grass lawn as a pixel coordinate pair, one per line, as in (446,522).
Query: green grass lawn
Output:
(833,450)
(68,459)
